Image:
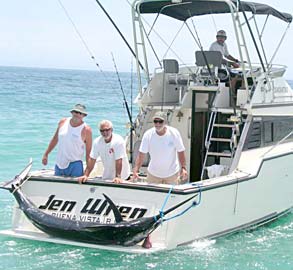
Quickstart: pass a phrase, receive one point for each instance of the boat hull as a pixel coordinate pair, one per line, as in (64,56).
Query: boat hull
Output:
(257,194)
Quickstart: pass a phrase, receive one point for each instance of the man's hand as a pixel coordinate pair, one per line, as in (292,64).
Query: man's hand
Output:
(45,160)
(134,176)
(82,179)
(183,174)
(118,180)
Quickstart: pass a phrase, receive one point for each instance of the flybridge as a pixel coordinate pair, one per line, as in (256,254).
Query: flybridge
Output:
(184,10)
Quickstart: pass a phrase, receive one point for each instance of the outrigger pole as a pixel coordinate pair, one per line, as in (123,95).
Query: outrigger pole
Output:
(120,33)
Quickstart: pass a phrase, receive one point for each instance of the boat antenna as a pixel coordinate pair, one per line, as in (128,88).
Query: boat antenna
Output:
(120,33)
(123,93)
(252,36)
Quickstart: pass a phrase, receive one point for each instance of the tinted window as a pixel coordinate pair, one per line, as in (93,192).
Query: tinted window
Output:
(268,131)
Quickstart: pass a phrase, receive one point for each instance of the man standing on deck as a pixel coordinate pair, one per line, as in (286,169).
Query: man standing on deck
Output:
(110,147)
(165,146)
(221,46)
(73,136)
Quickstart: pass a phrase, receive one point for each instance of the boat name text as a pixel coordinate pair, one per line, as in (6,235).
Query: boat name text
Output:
(276,89)
(96,207)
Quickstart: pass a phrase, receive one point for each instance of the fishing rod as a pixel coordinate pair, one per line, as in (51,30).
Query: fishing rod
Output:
(91,55)
(126,106)
(123,93)
(79,35)
(131,113)
(120,33)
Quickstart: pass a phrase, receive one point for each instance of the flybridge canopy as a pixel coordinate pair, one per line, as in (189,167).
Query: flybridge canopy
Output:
(182,10)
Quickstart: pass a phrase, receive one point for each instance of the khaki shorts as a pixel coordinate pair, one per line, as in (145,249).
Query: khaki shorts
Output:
(173,179)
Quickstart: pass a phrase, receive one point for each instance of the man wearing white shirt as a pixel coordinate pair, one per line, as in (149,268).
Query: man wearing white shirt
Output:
(110,147)
(167,153)
(221,46)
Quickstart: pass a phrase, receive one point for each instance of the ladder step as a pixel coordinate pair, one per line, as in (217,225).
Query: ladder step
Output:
(234,119)
(224,125)
(219,154)
(221,140)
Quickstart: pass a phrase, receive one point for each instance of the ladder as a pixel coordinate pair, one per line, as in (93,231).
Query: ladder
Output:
(215,141)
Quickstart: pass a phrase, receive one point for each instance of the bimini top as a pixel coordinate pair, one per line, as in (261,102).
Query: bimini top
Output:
(184,9)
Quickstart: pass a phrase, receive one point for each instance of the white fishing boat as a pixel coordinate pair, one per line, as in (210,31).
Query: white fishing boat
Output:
(238,140)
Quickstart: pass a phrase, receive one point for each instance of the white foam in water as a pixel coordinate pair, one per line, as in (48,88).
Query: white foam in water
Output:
(151,265)
(202,244)
(10,243)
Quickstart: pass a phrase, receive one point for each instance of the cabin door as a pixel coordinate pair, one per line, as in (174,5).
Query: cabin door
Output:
(198,128)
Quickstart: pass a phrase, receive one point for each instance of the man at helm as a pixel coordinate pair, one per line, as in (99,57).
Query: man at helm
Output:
(221,46)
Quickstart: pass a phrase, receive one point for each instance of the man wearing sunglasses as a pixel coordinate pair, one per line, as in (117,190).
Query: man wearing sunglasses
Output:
(74,137)
(110,147)
(167,153)
(221,46)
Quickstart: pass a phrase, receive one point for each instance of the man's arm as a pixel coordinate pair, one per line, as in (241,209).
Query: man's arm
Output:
(52,143)
(182,161)
(138,163)
(90,165)
(118,170)
(230,57)
(234,61)
(88,142)
(118,167)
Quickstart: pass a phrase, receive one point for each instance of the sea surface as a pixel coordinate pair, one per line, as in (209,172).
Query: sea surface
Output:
(32,101)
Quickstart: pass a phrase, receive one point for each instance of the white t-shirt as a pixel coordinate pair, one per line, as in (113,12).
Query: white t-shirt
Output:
(215,46)
(163,151)
(109,153)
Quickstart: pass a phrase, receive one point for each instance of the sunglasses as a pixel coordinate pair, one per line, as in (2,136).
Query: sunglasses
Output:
(105,130)
(222,37)
(158,121)
(78,112)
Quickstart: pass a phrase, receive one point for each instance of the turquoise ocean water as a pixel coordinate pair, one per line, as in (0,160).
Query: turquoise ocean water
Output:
(31,103)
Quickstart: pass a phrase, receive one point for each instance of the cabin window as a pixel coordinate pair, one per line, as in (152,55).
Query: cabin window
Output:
(253,139)
(268,132)
(282,129)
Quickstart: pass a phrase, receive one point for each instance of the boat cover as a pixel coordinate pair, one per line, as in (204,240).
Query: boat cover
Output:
(182,10)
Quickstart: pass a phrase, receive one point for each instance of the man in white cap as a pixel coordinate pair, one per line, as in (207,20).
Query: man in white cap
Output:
(221,46)
(110,147)
(167,153)
(74,137)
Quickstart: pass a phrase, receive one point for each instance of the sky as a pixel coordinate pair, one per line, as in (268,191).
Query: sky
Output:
(37,33)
